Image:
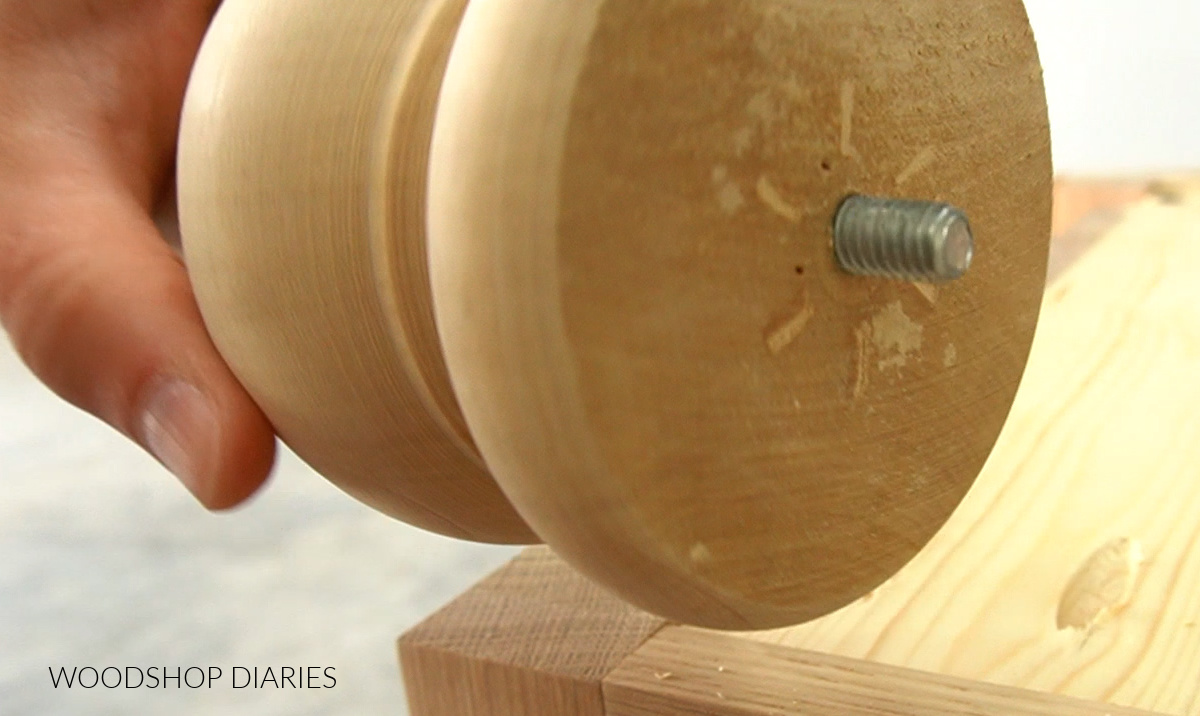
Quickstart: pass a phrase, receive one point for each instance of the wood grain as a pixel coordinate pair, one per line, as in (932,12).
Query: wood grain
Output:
(1086,515)
(535,638)
(652,345)
(683,671)
(301,194)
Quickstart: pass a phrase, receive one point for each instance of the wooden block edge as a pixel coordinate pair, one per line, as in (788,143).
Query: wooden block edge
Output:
(533,637)
(682,670)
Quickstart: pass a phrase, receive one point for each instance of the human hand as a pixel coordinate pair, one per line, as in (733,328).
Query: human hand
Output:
(96,302)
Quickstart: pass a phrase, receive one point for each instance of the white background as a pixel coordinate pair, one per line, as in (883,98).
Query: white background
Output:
(1123,78)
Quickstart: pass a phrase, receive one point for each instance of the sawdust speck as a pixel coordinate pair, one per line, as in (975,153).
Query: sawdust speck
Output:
(729,195)
(894,336)
(743,140)
(950,357)
(731,198)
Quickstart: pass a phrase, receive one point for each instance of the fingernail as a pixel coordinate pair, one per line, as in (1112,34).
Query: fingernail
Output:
(179,427)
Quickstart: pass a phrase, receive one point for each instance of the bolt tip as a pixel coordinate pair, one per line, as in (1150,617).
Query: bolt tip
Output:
(907,240)
(957,251)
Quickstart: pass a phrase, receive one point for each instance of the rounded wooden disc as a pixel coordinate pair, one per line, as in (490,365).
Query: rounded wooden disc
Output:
(630,212)
(302,164)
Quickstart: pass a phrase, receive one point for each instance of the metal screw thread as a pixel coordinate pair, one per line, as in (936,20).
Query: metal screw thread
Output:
(905,240)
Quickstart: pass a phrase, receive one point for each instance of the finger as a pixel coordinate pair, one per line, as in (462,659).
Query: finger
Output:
(102,311)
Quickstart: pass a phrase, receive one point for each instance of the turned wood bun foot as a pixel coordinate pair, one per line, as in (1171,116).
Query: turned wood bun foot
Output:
(529,269)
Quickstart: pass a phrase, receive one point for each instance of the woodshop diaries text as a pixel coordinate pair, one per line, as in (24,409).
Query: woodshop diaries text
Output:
(194,677)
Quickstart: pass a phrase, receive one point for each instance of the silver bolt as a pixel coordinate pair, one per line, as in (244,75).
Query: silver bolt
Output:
(906,240)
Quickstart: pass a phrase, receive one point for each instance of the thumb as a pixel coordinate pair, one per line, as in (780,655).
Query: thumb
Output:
(101,310)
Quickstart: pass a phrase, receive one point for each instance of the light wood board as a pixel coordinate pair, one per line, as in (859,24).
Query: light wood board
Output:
(1087,516)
